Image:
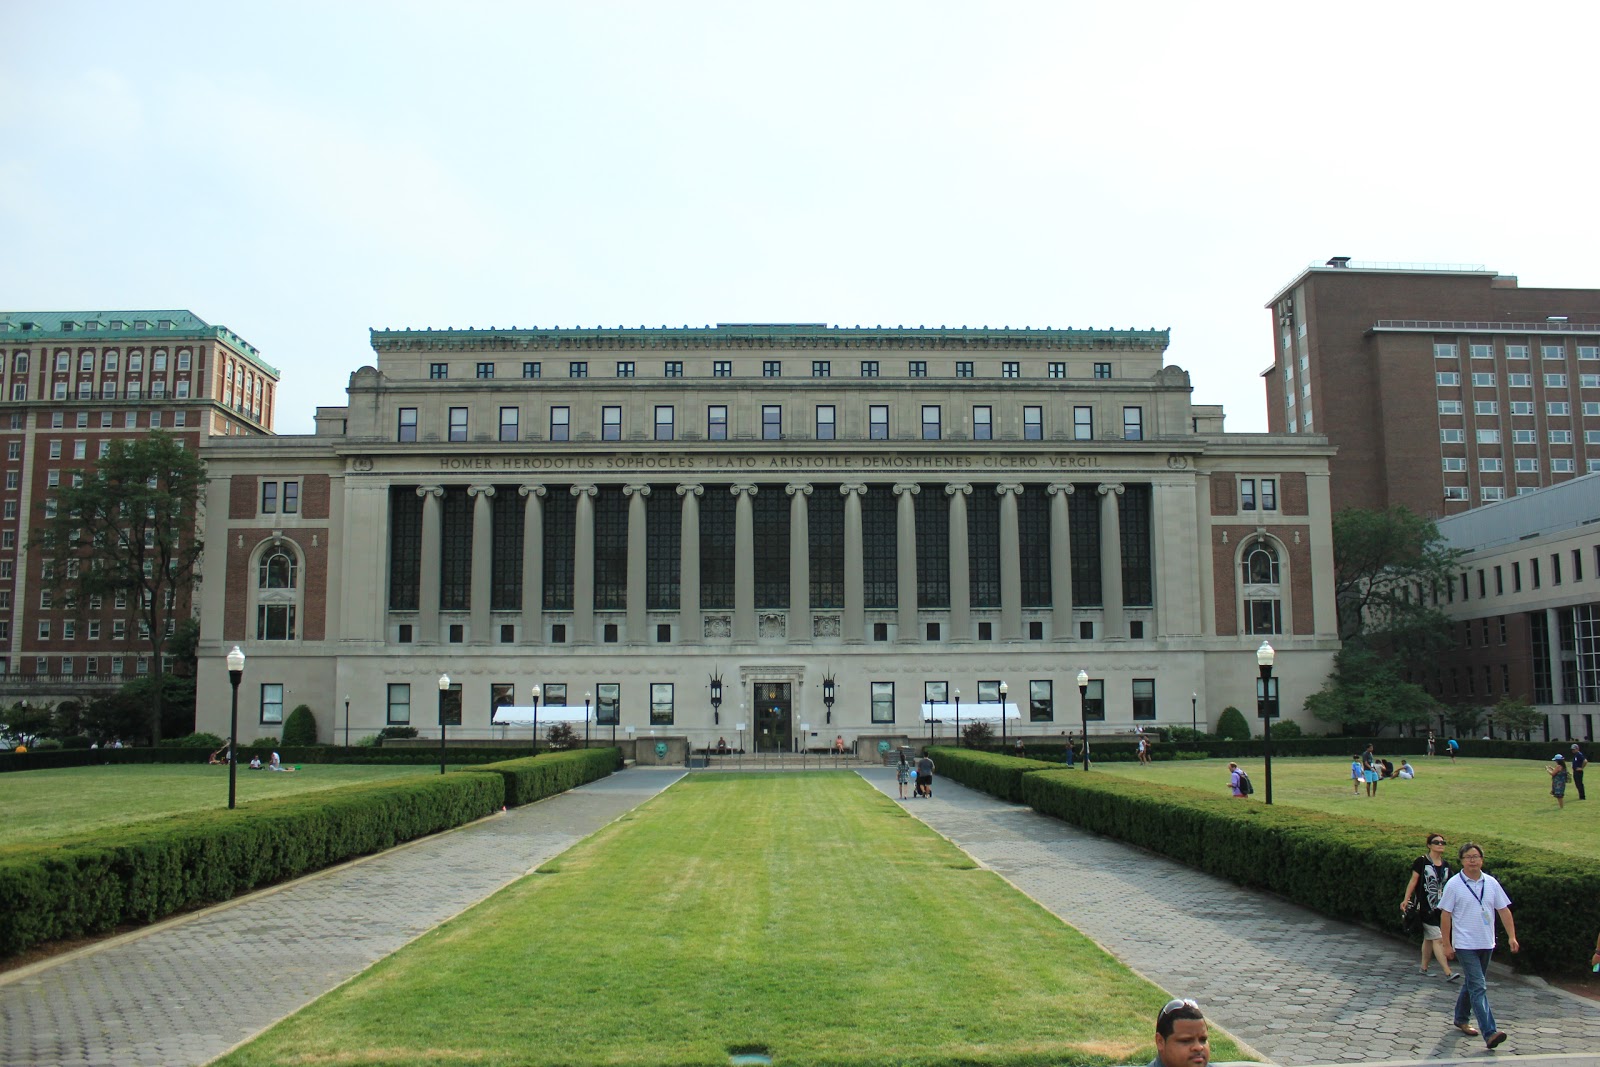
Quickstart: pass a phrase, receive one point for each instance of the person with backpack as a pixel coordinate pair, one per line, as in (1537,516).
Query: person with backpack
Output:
(1239,781)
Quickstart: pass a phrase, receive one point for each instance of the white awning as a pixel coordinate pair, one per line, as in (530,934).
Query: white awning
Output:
(969,712)
(507,715)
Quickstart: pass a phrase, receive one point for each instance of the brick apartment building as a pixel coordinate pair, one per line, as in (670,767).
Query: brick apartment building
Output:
(73,382)
(1443,388)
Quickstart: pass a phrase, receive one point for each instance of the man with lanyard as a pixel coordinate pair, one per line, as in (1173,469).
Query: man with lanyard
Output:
(1467,907)
(1577,763)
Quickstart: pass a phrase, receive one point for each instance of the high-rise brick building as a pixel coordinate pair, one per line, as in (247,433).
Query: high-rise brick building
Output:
(1443,388)
(73,382)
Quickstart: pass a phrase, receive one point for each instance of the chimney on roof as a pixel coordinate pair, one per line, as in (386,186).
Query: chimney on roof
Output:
(1339,261)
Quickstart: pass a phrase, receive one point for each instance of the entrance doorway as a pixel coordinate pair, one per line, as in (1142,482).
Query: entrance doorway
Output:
(774,717)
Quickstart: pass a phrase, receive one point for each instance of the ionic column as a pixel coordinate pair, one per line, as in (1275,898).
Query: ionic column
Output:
(744,562)
(638,560)
(905,534)
(799,562)
(432,549)
(532,563)
(482,551)
(1010,564)
(583,566)
(1060,561)
(960,564)
(854,626)
(690,627)
(1111,559)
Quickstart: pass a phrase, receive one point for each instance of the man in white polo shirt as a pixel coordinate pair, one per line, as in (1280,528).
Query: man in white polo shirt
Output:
(1467,908)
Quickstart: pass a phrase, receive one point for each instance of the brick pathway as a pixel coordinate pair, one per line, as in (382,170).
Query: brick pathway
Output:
(188,991)
(1297,987)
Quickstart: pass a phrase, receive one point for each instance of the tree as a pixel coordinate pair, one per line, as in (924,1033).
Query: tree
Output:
(300,729)
(1231,725)
(1381,560)
(1517,717)
(977,734)
(128,527)
(24,723)
(1464,719)
(1365,693)
(126,713)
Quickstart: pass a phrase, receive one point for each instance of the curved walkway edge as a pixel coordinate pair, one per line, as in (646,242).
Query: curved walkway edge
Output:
(188,990)
(1299,988)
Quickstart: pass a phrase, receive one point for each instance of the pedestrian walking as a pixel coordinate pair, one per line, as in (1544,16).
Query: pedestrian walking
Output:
(1577,763)
(925,776)
(902,775)
(1071,752)
(1182,1039)
(1467,907)
(1428,875)
(1558,780)
(1236,780)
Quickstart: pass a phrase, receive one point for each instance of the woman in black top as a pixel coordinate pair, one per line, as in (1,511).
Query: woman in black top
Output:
(1428,876)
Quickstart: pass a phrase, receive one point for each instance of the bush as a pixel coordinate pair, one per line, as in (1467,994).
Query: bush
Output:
(536,777)
(300,729)
(76,741)
(561,736)
(400,732)
(262,742)
(209,742)
(46,744)
(1231,725)
(1185,734)
(77,886)
(977,734)
(1286,729)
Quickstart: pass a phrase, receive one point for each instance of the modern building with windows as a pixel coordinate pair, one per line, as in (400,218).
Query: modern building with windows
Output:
(71,383)
(1526,607)
(902,518)
(1442,388)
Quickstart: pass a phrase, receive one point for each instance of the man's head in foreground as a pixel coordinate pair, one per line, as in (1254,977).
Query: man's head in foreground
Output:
(1181,1036)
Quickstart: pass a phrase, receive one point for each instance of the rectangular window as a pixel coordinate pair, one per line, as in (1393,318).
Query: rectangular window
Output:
(486,370)
(1041,701)
(611,423)
(930,422)
(435,370)
(1520,381)
(561,424)
(1561,466)
(1555,381)
(917,368)
(399,704)
(1032,423)
(661,704)
(1561,437)
(1447,378)
(1454,464)
(1480,351)
(883,702)
(577,369)
(1083,423)
(1516,351)
(1584,352)
(1527,466)
(1490,465)
(1558,407)
(1058,370)
(722,368)
(771,422)
(1247,494)
(1555,351)
(274,622)
(1133,424)
(1144,698)
(1480,379)
(1486,407)
(1522,407)
(878,422)
(869,368)
(1442,350)
(772,368)
(269,498)
(458,424)
(963,369)
(510,421)
(664,422)
(1094,700)
(1010,369)
(1449,407)
(1269,494)
(1488,437)
(673,369)
(272,702)
(531,370)
(825,422)
(717,423)
(821,368)
(624,368)
(982,423)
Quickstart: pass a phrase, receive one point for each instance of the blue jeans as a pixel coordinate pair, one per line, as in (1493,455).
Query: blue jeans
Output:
(1474,962)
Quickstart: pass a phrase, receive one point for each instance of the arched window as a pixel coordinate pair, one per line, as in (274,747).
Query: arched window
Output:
(1260,579)
(1260,564)
(278,571)
(277,594)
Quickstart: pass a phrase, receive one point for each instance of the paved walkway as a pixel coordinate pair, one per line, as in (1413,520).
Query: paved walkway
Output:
(187,991)
(1295,986)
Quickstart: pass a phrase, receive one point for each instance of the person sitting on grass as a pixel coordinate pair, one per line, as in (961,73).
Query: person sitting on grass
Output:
(277,765)
(255,763)
(217,762)
(1407,771)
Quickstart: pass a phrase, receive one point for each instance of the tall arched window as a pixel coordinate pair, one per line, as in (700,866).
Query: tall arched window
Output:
(277,594)
(1260,588)
(1260,564)
(278,571)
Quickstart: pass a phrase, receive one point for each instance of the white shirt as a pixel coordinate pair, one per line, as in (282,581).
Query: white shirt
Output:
(1471,918)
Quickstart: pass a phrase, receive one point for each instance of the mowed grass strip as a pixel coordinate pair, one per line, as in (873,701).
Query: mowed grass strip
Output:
(805,916)
(1500,799)
(40,805)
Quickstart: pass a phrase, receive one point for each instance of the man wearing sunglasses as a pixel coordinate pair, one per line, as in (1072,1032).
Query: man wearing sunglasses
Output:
(1181,1036)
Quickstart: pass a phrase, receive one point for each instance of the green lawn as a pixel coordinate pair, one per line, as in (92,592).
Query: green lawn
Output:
(806,916)
(1491,798)
(44,804)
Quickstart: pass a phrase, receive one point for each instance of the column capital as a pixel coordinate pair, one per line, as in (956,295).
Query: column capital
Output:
(742,488)
(1060,489)
(853,489)
(902,488)
(630,490)
(1110,487)
(691,490)
(584,490)
(531,490)
(958,487)
(802,488)
(480,490)
(425,491)
(1009,487)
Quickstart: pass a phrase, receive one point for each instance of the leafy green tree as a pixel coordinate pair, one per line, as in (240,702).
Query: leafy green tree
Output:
(1380,559)
(1365,693)
(1464,719)
(24,722)
(300,728)
(1517,717)
(127,526)
(977,734)
(1231,725)
(126,713)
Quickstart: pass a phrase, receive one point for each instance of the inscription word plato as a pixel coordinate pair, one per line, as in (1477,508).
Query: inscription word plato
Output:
(713,462)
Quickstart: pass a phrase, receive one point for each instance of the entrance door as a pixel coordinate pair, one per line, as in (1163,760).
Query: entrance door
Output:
(774,721)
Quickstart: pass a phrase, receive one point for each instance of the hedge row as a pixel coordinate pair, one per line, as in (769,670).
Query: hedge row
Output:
(1341,867)
(89,884)
(362,754)
(1219,748)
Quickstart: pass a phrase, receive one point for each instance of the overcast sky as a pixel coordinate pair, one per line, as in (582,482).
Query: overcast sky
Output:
(302,172)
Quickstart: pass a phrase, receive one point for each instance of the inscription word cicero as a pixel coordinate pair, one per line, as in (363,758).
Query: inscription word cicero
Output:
(715,462)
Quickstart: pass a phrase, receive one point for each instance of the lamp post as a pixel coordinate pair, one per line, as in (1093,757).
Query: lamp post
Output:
(1083,710)
(586,698)
(1004,689)
(444,688)
(716,703)
(235,674)
(536,720)
(1194,714)
(1264,657)
(347,720)
(829,695)
(958,718)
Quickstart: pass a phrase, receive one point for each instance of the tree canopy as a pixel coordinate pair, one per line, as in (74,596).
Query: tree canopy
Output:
(1381,559)
(126,529)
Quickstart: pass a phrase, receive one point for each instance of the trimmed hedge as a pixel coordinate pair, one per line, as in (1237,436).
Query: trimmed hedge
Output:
(993,773)
(534,778)
(1339,866)
(78,886)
